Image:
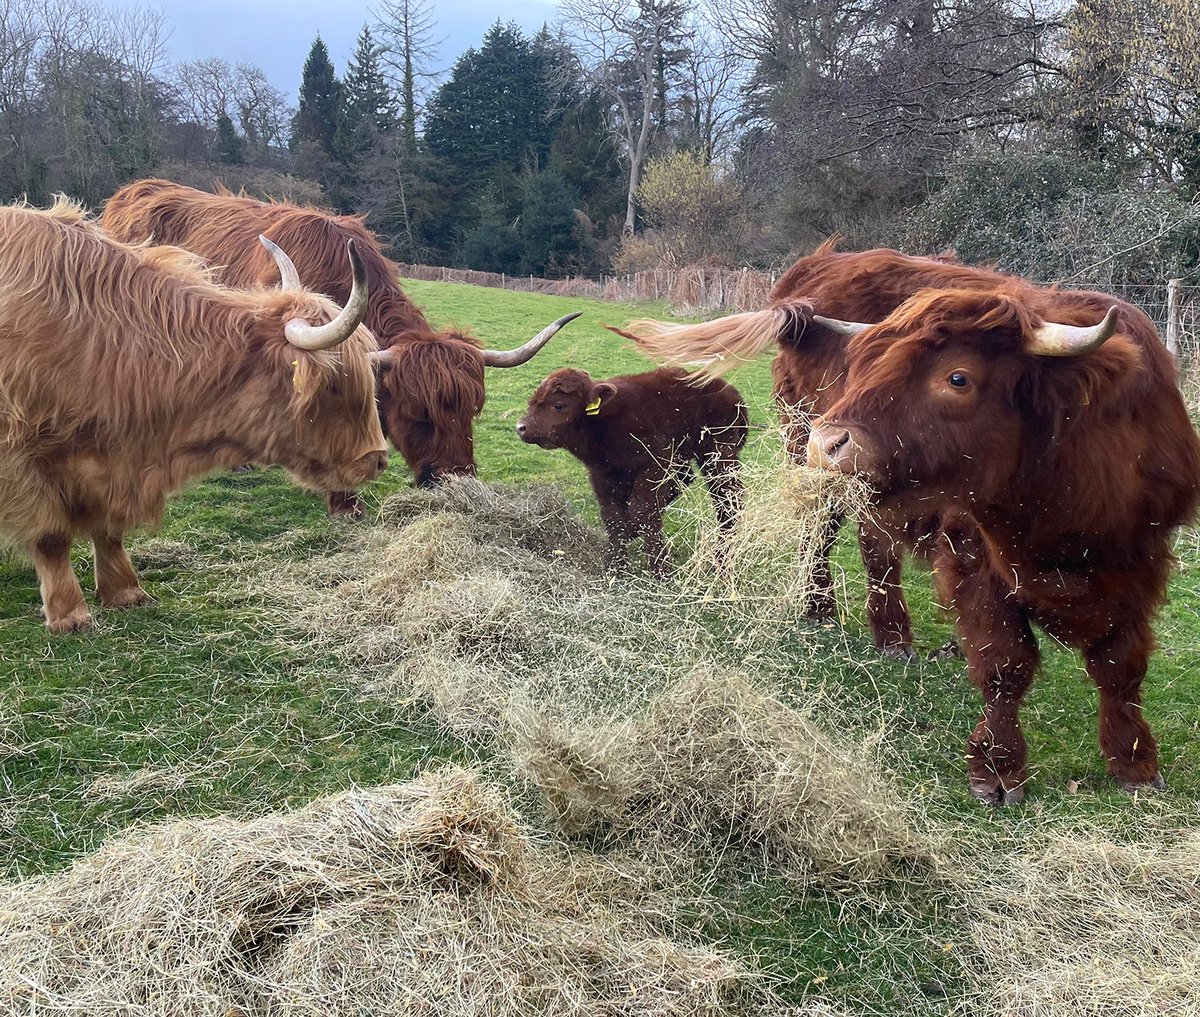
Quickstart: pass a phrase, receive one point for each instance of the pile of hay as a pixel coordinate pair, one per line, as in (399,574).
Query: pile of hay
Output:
(715,759)
(1090,928)
(421,898)
(602,698)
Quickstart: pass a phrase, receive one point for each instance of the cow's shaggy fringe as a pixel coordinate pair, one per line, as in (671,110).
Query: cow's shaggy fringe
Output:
(420,898)
(1090,928)
(512,634)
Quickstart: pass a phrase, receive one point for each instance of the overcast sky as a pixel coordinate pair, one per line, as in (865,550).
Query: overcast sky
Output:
(277,35)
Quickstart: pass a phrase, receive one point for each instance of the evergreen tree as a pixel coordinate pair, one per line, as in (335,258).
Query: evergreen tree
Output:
(491,245)
(551,238)
(316,121)
(367,104)
(231,146)
(493,116)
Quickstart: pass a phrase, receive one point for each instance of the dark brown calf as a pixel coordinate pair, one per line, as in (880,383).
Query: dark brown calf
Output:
(638,436)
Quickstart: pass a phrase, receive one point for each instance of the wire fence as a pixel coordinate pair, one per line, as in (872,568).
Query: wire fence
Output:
(699,289)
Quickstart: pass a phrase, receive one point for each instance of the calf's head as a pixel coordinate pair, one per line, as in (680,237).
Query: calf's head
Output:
(955,387)
(558,412)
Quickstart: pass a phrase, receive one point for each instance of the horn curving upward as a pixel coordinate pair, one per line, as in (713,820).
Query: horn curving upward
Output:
(526,352)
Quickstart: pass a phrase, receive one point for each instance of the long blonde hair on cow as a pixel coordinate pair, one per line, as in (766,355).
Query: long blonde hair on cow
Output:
(718,346)
(139,318)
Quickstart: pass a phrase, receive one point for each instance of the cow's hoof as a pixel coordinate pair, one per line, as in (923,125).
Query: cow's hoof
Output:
(903,653)
(133,596)
(992,792)
(1156,783)
(79,620)
(946,651)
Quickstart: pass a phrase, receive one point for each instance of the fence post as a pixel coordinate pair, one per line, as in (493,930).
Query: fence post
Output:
(1173,316)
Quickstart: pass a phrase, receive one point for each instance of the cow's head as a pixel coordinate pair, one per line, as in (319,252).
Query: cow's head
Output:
(951,391)
(431,390)
(558,411)
(318,419)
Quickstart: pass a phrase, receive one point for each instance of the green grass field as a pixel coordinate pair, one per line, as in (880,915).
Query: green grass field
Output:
(196,707)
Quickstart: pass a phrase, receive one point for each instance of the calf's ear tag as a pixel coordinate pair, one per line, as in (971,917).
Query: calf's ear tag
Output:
(592,408)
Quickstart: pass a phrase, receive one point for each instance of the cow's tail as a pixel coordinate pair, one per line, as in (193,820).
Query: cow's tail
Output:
(715,347)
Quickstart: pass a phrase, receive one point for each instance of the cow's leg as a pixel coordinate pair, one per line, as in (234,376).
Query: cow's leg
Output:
(887,610)
(62,596)
(1117,665)
(821,602)
(117,584)
(1002,658)
(344,503)
(652,493)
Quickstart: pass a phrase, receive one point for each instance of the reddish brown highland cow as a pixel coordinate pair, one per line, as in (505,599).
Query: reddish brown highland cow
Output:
(1049,430)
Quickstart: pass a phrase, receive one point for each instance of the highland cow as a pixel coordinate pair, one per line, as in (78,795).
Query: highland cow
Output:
(638,436)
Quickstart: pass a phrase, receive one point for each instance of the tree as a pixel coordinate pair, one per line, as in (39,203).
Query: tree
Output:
(551,238)
(494,115)
(367,104)
(491,245)
(620,55)
(694,211)
(316,120)
(406,31)
(231,147)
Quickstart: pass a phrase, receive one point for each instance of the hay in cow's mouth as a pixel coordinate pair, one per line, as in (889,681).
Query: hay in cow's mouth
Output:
(425,897)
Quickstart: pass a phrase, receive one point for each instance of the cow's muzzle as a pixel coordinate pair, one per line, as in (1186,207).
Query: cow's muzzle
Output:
(837,447)
(367,468)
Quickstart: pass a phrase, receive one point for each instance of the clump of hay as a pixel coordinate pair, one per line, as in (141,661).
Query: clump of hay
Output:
(1090,928)
(713,756)
(534,518)
(425,897)
(768,561)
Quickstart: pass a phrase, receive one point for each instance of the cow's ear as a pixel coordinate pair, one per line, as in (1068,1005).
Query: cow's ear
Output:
(600,394)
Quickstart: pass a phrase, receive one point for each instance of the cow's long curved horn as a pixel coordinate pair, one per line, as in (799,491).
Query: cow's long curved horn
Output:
(525,353)
(288,275)
(325,337)
(1056,340)
(841,327)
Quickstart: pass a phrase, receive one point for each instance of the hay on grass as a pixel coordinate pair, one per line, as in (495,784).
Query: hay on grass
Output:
(420,898)
(714,761)
(1090,928)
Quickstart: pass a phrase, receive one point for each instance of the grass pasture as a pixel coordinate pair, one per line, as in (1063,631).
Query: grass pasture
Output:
(293,657)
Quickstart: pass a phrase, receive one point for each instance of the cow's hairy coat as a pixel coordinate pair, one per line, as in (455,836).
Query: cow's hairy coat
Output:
(127,372)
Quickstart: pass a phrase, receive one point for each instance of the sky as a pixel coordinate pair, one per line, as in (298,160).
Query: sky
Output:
(276,35)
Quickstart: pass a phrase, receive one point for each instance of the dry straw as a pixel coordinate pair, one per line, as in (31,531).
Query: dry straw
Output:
(1090,928)
(424,898)
(487,607)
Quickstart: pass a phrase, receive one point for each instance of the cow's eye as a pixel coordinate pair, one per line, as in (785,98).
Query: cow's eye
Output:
(558,406)
(958,379)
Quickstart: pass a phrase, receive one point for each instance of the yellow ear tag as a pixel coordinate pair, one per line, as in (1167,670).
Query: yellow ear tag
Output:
(296,375)
(592,408)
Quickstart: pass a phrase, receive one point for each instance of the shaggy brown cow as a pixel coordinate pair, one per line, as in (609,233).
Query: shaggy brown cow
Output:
(638,436)
(431,385)
(127,373)
(1067,453)
(809,373)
